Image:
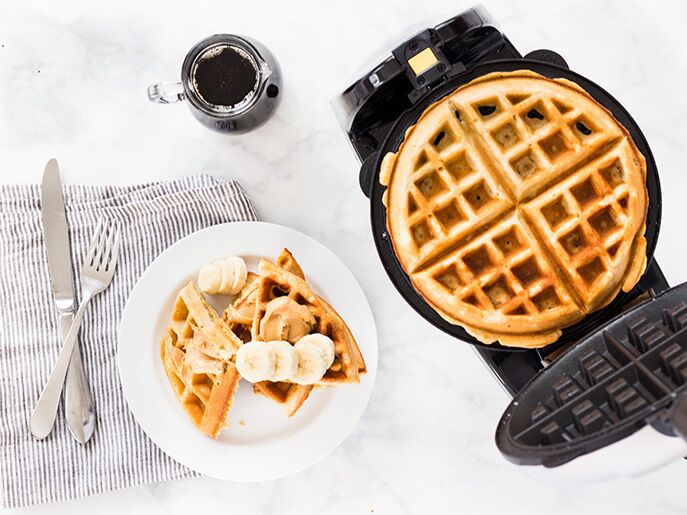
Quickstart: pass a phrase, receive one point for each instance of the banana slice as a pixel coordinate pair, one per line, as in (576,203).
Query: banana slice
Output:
(226,276)
(256,361)
(324,343)
(234,274)
(209,278)
(311,363)
(287,361)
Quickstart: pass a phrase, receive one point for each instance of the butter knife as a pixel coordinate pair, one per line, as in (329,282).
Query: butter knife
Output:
(77,397)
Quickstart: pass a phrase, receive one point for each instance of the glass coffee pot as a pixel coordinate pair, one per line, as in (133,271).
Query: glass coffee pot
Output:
(232,84)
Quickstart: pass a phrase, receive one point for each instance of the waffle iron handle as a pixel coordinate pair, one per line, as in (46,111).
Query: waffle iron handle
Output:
(367,174)
(547,56)
(678,416)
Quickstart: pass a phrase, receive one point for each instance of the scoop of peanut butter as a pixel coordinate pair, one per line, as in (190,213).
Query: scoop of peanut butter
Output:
(286,319)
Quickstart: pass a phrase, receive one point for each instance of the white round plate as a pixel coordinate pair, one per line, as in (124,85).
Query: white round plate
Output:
(261,442)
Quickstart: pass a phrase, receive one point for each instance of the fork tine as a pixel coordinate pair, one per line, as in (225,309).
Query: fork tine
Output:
(100,248)
(111,231)
(115,251)
(94,243)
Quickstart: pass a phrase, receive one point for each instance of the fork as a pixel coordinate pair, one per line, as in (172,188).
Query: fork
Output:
(96,275)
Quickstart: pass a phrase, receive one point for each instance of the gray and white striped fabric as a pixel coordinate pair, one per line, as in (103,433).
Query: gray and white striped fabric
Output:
(152,217)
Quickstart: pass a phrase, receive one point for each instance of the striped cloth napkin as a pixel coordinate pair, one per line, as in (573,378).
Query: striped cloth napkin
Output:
(152,217)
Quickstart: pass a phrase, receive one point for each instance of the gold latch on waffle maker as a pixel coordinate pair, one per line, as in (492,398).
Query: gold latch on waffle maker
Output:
(423,61)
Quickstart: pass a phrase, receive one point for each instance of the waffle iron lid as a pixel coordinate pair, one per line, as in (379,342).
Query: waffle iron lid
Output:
(630,373)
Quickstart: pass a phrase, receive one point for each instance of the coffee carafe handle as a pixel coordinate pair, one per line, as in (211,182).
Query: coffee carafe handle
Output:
(166,92)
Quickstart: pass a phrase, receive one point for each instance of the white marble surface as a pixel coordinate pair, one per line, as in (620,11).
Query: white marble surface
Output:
(73,76)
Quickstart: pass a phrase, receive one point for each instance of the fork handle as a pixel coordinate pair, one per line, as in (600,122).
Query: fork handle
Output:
(45,411)
(78,403)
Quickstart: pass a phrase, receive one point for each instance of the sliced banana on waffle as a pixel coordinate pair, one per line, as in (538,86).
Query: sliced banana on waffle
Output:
(303,363)
(256,361)
(287,361)
(322,342)
(315,356)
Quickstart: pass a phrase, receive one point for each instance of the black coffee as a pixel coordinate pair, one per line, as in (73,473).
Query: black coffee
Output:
(224,76)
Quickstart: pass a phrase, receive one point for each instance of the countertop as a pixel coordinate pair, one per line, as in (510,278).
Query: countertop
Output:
(73,78)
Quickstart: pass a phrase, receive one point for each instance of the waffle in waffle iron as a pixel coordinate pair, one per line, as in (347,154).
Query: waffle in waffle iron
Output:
(516,205)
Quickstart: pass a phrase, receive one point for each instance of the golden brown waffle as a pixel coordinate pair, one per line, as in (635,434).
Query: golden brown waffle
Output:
(276,282)
(205,395)
(239,315)
(286,261)
(288,276)
(516,205)
(348,336)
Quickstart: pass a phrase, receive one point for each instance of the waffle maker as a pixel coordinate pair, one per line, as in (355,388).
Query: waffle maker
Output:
(615,384)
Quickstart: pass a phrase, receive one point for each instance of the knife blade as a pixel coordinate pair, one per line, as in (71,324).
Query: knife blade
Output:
(77,397)
(56,234)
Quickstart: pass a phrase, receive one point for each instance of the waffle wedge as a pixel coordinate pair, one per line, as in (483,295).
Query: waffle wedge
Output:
(239,315)
(517,205)
(286,261)
(275,282)
(196,350)
(287,277)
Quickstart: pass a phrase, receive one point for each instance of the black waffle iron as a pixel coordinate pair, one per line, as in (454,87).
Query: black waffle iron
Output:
(617,371)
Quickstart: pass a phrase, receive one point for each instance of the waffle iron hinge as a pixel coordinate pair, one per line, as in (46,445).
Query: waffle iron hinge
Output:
(677,416)
(439,53)
(672,421)
(515,369)
(651,283)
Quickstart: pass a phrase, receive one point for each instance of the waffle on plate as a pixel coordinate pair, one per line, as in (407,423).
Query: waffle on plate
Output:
(198,348)
(516,205)
(286,277)
(195,351)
